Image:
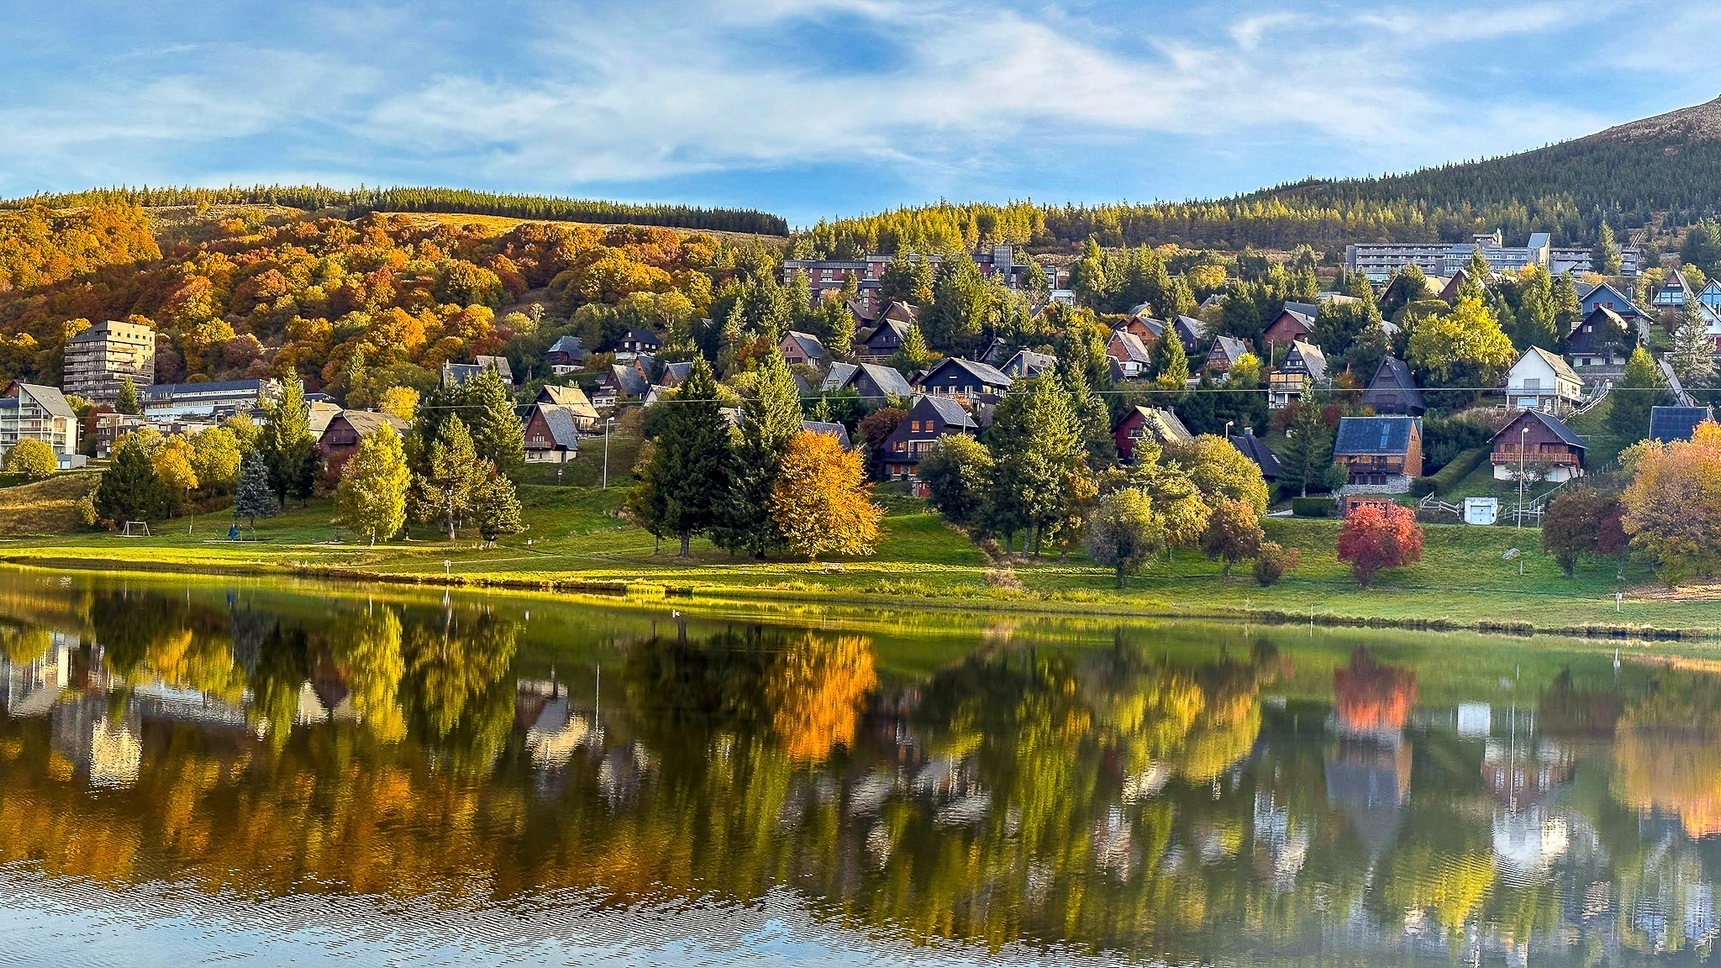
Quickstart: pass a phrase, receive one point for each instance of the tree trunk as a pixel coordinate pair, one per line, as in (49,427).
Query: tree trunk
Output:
(686,544)
(1120,579)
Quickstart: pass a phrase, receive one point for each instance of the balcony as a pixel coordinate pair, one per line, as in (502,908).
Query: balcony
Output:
(1534,455)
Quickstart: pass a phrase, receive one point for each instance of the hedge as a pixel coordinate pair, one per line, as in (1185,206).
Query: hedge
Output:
(1312,507)
(1448,477)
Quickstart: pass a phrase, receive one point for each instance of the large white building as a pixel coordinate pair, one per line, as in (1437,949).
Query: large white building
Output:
(1380,261)
(30,412)
(100,359)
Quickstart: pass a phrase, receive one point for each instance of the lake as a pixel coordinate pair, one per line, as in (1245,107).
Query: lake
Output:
(202,770)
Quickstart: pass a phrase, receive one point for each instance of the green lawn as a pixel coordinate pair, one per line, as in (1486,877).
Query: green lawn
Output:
(576,539)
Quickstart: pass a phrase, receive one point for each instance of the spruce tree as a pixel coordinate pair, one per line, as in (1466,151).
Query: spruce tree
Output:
(961,303)
(691,462)
(1169,365)
(443,491)
(1036,436)
(495,505)
(1692,356)
(128,399)
(488,409)
(289,450)
(253,499)
(1605,259)
(770,417)
(130,490)
(1309,449)
(1568,309)
(1640,389)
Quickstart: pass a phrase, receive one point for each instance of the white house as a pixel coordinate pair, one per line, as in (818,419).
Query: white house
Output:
(30,412)
(1542,381)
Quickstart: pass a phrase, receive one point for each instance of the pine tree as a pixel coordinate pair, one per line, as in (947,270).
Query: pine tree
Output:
(691,462)
(1605,259)
(769,419)
(913,355)
(1089,278)
(1037,438)
(961,303)
(1640,389)
(130,490)
(253,499)
(371,497)
(128,399)
(488,407)
(443,491)
(1309,449)
(495,505)
(1692,356)
(1568,309)
(1169,365)
(289,450)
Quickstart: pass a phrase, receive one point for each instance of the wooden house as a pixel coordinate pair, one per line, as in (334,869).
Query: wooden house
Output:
(930,419)
(456,374)
(1146,328)
(1606,295)
(803,349)
(1394,390)
(1539,444)
(1131,354)
(583,411)
(637,341)
(1674,293)
(963,379)
(1382,454)
(1256,450)
(882,341)
(869,380)
(341,437)
(1449,292)
(1542,381)
(1294,323)
(621,382)
(837,430)
(1304,367)
(566,355)
(1148,423)
(1192,333)
(1027,363)
(674,374)
(1226,351)
(552,434)
(1599,339)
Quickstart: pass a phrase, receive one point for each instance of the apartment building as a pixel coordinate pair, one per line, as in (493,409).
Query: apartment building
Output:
(101,358)
(830,275)
(218,399)
(1381,261)
(30,412)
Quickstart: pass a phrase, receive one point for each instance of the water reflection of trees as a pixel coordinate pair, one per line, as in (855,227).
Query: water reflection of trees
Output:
(1667,751)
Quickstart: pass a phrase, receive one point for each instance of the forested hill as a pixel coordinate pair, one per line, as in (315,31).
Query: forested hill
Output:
(1664,170)
(362,201)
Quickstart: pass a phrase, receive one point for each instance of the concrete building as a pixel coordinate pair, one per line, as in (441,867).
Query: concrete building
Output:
(99,359)
(829,275)
(218,399)
(30,412)
(1381,261)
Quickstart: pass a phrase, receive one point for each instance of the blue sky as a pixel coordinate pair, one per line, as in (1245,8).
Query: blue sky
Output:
(821,107)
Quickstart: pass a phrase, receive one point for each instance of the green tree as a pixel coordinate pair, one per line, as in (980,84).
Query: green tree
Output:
(1169,366)
(1641,388)
(1693,354)
(497,435)
(955,321)
(129,489)
(1036,438)
(1572,524)
(906,279)
(956,471)
(691,462)
(1568,308)
(1089,277)
(1233,534)
(128,399)
(1605,258)
(371,497)
(443,491)
(253,498)
(1463,348)
(495,505)
(1308,448)
(770,417)
(1702,247)
(289,450)
(913,355)
(1125,532)
(32,458)
(1220,472)
(215,456)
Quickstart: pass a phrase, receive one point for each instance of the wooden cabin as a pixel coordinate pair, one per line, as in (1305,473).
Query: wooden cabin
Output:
(1537,443)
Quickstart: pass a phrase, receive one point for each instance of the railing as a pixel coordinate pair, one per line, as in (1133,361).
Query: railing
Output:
(1513,455)
(1589,404)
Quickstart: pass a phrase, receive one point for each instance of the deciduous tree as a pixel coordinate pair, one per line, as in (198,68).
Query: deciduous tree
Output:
(1233,533)
(371,497)
(1377,536)
(957,470)
(820,502)
(1125,532)
(32,458)
(1572,525)
(1673,505)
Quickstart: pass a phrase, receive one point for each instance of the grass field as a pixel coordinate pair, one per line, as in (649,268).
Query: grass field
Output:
(578,541)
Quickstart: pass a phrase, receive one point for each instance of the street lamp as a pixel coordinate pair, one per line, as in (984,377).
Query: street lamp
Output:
(1523,438)
(607,422)
(1228,424)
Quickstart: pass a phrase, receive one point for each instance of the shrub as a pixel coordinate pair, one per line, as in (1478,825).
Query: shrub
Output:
(1445,439)
(1312,507)
(1455,470)
(1273,562)
(31,458)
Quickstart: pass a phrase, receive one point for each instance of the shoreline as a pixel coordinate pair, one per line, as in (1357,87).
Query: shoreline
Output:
(1030,603)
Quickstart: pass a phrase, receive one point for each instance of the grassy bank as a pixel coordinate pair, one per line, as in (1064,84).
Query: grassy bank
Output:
(576,541)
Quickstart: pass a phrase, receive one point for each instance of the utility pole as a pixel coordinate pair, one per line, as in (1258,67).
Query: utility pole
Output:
(607,452)
(1523,438)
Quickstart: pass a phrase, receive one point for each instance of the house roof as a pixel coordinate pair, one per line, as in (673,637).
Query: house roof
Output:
(677,370)
(1164,424)
(895,326)
(641,336)
(839,375)
(562,423)
(900,311)
(1548,420)
(365,421)
(627,380)
(1232,348)
(1032,363)
(808,343)
(1561,368)
(949,411)
(989,375)
(1313,359)
(573,398)
(570,345)
(1305,313)
(1132,345)
(1395,369)
(1676,423)
(48,398)
(1190,329)
(888,381)
(1624,300)
(1257,450)
(319,413)
(1154,326)
(162,391)
(836,430)
(1374,435)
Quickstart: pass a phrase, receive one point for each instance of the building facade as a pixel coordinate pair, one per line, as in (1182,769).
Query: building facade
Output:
(100,359)
(30,412)
(1381,261)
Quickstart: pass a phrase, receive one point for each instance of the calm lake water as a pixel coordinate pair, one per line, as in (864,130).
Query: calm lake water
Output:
(201,771)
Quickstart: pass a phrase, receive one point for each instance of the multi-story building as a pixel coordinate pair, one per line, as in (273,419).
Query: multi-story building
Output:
(830,275)
(1381,261)
(30,412)
(100,359)
(220,399)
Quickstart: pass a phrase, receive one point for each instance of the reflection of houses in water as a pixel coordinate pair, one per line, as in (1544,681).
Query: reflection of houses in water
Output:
(1371,781)
(1286,847)
(955,787)
(99,740)
(1372,700)
(1521,770)
(556,726)
(32,687)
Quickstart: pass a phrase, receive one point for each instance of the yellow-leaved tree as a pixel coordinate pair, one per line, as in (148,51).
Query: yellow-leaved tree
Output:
(1673,506)
(820,502)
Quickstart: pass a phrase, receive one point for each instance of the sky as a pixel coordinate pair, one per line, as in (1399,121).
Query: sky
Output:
(821,108)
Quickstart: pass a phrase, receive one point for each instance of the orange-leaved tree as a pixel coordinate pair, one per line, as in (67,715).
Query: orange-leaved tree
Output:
(1377,536)
(820,502)
(1673,506)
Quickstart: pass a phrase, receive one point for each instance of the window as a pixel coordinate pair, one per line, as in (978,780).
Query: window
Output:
(914,426)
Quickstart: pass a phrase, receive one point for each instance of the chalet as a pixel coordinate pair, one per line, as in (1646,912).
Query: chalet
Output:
(1449,292)
(622,382)
(1226,351)
(803,349)
(1398,291)
(1542,381)
(1599,339)
(1304,367)
(1674,293)
(580,407)
(1256,450)
(1146,328)
(637,341)
(836,430)
(928,420)
(1606,295)
(882,341)
(566,355)
(674,374)
(1027,363)
(1667,424)
(1293,324)
(340,439)
(1148,423)
(1193,334)
(552,434)
(906,313)
(1539,444)
(456,374)
(1131,354)
(1382,454)
(1711,295)
(869,380)
(964,379)
(1394,390)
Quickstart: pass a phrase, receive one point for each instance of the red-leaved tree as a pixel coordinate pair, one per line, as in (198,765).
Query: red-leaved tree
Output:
(1377,536)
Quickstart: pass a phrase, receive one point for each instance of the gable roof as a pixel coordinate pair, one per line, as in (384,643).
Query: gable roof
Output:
(1676,423)
(808,343)
(1163,423)
(1561,368)
(48,398)
(836,430)
(318,415)
(1374,435)
(627,380)
(1624,301)
(1313,359)
(1232,348)
(1132,345)
(1256,449)
(1548,420)
(949,411)
(571,345)
(1189,329)
(365,421)
(1305,313)
(899,311)
(1032,363)
(839,375)
(644,337)
(895,326)
(888,381)
(573,398)
(989,375)
(562,424)
(1398,372)
(679,371)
